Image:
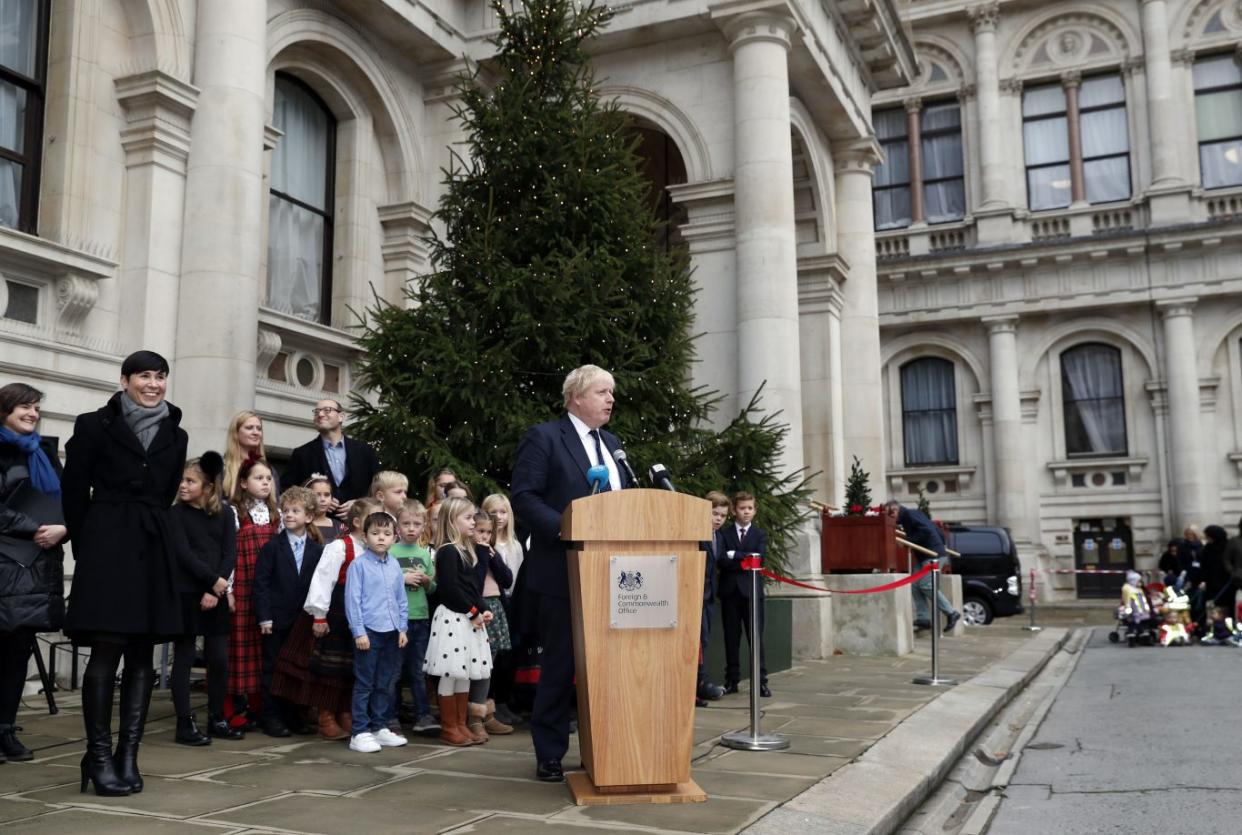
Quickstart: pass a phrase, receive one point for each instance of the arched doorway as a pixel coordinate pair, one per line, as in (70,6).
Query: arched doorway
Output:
(663,166)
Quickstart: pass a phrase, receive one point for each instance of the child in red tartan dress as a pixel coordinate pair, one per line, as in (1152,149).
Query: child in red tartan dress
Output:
(257,522)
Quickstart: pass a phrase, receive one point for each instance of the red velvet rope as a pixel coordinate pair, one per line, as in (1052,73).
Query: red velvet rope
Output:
(896,584)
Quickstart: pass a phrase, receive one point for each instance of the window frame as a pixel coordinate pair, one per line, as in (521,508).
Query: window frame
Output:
(1237,86)
(1100,108)
(907,184)
(1068,162)
(1067,402)
(905,412)
(329,210)
(35,88)
(936,134)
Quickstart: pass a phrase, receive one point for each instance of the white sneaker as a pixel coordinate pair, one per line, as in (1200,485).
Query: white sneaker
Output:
(388,739)
(364,743)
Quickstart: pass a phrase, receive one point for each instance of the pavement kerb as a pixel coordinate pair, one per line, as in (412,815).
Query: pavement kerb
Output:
(877,792)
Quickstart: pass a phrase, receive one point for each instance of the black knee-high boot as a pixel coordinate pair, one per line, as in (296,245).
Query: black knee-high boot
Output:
(97,765)
(136,686)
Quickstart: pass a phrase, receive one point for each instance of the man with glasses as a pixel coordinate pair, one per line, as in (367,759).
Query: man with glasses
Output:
(349,464)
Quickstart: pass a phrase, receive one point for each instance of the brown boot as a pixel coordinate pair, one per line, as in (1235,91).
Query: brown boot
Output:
(328,727)
(452,730)
(491,724)
(346,720)
(474,725)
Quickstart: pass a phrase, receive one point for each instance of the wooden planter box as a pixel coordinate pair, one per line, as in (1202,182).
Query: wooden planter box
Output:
(860,544)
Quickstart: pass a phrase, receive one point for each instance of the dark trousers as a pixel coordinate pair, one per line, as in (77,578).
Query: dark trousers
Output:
(273,707)
(375,673)
(554,696)
(705,634)
(734,615)
(411,672)
(15,650)
(216,656)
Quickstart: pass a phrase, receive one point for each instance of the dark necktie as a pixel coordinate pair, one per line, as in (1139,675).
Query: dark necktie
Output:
(599,459)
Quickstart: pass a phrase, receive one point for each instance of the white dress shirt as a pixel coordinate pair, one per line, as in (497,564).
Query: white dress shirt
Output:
(588,443)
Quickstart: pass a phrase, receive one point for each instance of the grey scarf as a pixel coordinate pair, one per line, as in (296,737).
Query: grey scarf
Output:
(143,420)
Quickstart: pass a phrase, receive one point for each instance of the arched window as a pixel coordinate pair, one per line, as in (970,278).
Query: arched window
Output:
(929,412)
(299,241)
(23,83)
(1094,400)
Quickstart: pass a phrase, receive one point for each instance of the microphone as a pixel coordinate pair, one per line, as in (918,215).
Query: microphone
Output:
(618,455)
(598,476)
(660,478)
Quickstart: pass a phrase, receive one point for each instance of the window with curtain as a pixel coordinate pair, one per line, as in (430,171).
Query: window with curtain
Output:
(1105,139)
(891,186)
(1218,117)
(1045,141)
(944,187)
(1094,400)
(23,79)
(299,242)
(929,412)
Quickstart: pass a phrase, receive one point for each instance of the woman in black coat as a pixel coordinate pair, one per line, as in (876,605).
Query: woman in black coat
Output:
(32,586)
(122,469)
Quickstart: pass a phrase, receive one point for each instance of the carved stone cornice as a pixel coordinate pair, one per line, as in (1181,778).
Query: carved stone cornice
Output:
(1071,78)
(1011,86)
(158,108)
(271,137)
(913,104)
(749,27)
(1006,323)
(984,17)
(75,296)
(404,249)
(1182,56)
(1172,308)
(858,156)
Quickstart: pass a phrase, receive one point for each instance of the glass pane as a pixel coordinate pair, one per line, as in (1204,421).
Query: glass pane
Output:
(944,201)
(294,260)
(1101,90)
(12,117)
(942,156)
(19,20)
(927,384)
(1046,141)
(1042,101)
(23,305)
(1095,427)
(895,169)
(941,117)
(1048,188)
(1107,179)
(1221,164)
(1104,132)
(892,208)
(10,193)
(300,161)
(930,437)
(1218,115)
(1220,71)
(889,124)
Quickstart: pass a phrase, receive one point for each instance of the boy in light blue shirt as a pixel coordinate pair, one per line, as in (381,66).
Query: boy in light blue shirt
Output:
(378,614)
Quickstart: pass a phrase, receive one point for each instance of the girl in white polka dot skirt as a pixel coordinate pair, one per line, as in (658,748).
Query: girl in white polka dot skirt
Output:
(458,651)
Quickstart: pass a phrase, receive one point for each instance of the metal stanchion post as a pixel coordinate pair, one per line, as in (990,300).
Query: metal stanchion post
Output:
(1030,596)
(934,679)
(754,740)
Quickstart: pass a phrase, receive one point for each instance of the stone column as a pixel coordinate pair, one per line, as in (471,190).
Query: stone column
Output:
(218,310)
(983,19)
(1008,454)
(1071,82)
(1182,373)
(1165,169)
(914,141)
(862,394)
(766,252)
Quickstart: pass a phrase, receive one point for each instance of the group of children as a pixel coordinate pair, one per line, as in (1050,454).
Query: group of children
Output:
(310,623)
(1164,615)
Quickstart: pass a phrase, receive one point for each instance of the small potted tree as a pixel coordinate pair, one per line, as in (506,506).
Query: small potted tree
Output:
(859,538)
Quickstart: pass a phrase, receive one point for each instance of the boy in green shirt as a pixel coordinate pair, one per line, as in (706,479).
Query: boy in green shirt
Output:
(419,568)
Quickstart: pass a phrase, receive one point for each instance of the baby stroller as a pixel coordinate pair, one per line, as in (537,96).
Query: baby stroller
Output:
(1137,621)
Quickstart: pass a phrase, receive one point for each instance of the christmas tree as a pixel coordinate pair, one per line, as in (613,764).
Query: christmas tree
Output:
(857,490)
(545,259)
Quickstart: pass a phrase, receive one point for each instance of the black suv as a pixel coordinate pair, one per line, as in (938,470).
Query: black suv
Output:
(990,571)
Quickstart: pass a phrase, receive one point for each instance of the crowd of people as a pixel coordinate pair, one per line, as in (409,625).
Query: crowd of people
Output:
(323,594)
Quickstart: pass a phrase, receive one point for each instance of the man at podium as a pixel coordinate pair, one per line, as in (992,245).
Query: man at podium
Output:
(550,471)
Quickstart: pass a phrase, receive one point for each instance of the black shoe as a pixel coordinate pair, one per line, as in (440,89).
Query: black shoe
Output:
(10,747)
(302,729)
(729,689)
(710,692)
(700,702)
(188,732)
(764,691)
(136,687)
(276,728)
(218,727)
(549,771)
(98,767)
(952,621)
(922,624)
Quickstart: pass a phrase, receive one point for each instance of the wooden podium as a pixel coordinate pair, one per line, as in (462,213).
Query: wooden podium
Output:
(636,591)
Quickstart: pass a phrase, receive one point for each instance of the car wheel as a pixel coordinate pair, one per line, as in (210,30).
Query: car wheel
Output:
(977,611)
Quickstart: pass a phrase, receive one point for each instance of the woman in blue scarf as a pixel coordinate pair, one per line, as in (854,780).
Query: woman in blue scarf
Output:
(31,571)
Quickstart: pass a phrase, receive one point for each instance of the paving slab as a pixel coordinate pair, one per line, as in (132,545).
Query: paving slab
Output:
(171,760)
(464,792)
(74,820)
(341,778)
(15,808)
(334,815)
(161,797)
(24,777)
(756,786)
(717,815)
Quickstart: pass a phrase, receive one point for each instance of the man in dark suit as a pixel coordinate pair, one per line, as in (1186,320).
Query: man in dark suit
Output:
(349,465)
(550,471)
(282,576)
(738,540)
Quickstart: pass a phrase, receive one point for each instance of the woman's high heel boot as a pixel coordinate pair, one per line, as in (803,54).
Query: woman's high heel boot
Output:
(97,765)
(135,699)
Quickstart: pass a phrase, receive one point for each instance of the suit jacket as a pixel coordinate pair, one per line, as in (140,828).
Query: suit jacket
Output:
(732,577)
(713,547)
(361,465)
(279,588)
(549,472)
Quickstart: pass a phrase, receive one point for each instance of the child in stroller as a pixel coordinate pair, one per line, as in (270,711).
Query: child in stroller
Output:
(1136,618)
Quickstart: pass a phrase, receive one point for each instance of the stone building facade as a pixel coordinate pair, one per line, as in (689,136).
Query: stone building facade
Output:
(1060,267)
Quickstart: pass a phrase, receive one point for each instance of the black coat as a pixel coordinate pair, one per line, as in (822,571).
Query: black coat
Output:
(212,545)
(279,588)
(489,558)
(32,592)
(361,465)
(118,506)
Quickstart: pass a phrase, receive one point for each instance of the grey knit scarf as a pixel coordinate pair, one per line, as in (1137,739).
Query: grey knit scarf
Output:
(143,420)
